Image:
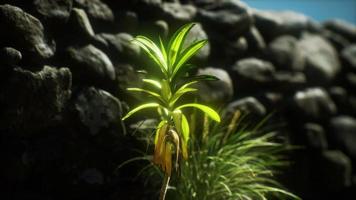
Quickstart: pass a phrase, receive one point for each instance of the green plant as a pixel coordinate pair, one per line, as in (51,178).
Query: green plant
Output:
(173,131)
(236,162)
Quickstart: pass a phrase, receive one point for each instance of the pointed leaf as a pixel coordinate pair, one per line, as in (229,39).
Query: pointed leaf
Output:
(155,83)
(187,54)
(143,106)
(209,111)
(166,90)
(147,92)
(176,43)
(180,93)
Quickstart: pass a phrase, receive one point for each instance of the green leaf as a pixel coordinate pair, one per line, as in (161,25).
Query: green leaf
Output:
(143,106)
(155,83)
(147,92)
(153,51)
(180,93)
(176,42)
(166,90)
(185,128)
(209,111)
(188,53)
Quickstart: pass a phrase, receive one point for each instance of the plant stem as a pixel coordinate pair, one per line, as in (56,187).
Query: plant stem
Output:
(164,187)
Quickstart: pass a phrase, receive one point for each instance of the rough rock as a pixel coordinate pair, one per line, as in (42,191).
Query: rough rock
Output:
(336,170)
(343,132)
(343,28)
(321,59)
(349,57)
(286,53)
(313,104)
(120,47)
(215,92)
(28,112)
(9,56)
(247,105)
(336,40)
(255,40)
(53,12)
(176,14)
(80,27)
(315,137)
(90,65)
(25,33)
(98,12)
(97,110)
(252,72)
(276,23)
(225,22)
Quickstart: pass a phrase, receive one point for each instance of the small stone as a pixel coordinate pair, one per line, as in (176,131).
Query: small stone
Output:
(347,30)
(80,24)
(315,136)
(247,105)
(344,133)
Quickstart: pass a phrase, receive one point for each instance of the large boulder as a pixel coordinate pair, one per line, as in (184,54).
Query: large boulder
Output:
(33,101)
(312,104)
(276,23)
(25,33)
(220,91)
(345,29)
(321,59)
(349,57)
(343,132)
(286,53)
(90,66)
(97,111)
(98,12)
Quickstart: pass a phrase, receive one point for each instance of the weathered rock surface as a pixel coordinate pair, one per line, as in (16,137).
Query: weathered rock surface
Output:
(25,33)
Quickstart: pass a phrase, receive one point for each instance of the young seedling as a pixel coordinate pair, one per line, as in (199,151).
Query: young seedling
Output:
(172,133)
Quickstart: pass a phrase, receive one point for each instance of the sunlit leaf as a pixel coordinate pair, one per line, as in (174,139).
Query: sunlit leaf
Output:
(166,90)
(143,106)
(187,54)
(180,93)
(147,92)
(176,43)
(209,111)
(155,83)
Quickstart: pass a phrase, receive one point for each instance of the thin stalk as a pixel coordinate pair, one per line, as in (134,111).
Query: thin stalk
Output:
(162,195)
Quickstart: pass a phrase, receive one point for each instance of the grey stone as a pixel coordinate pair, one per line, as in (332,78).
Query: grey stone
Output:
(176,14)
(90,65)
(335,171)
(25,33)
(98,12)
(343,131)
(120,47)
(286,53)
(97,110)
(92,176)
(56,11)
(343,28)
(81,28)
(276,23)
(335,39)
(321,59)
(255,40)
(349,57)
(225,22)
(313,104)
(315,136)
(215,92)
(33,101)
(247,105)
(10,56)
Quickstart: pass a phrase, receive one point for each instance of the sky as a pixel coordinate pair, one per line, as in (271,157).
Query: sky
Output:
(319,10)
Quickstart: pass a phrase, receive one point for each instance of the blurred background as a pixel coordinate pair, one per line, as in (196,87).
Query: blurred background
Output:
(65,66)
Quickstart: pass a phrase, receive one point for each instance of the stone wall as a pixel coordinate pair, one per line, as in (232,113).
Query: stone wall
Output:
(65,64)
